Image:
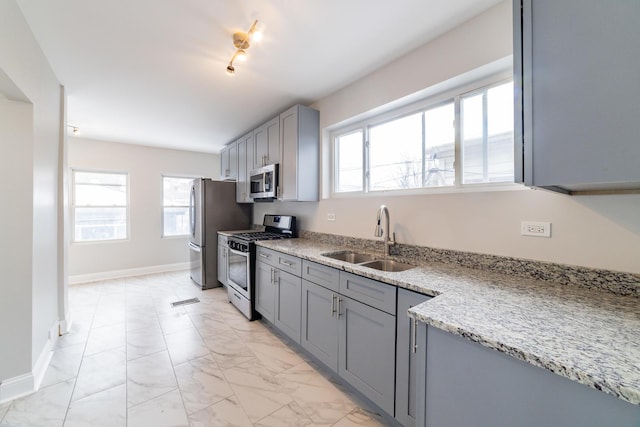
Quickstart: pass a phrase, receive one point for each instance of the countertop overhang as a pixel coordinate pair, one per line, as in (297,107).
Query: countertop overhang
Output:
(586,335)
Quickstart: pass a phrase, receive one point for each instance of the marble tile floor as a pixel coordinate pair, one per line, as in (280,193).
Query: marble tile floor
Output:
(131,359)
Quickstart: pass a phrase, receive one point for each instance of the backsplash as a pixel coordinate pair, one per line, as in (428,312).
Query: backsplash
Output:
(613,281)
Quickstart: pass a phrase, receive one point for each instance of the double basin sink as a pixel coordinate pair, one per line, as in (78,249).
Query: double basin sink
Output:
(365,260)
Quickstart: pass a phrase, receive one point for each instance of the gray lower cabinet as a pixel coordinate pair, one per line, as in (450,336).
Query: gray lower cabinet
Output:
(366,350)
(265,294)
(287,308)
(406,356)
(462,383)
(319,329)
(222,264)
(277,298)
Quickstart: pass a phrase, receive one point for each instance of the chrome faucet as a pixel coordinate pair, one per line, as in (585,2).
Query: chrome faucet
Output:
(389,240)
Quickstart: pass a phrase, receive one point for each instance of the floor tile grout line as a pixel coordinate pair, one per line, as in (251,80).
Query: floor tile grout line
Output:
(84,350)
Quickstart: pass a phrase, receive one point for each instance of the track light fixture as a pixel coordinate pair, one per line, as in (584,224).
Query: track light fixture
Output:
(241,42)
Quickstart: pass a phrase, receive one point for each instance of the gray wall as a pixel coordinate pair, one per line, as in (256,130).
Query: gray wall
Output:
(29,291)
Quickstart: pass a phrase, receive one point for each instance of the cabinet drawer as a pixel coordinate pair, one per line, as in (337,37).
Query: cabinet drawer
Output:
(322,275)
(371,292)
(288,263)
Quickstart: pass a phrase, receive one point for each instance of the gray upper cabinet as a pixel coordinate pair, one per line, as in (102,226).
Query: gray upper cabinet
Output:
(406,345)
(245,164)
(299,147)
(266,149)
(229,162)
(576,65)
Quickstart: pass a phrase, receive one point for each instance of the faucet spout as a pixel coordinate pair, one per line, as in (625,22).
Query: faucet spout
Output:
(389,239)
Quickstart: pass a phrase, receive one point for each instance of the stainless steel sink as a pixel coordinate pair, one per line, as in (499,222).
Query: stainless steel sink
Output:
(352,257)
(387,265)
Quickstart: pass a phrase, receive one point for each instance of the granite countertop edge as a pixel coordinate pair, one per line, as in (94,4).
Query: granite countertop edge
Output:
(446,280)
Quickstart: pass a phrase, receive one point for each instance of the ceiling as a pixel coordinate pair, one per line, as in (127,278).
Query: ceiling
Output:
(153,72)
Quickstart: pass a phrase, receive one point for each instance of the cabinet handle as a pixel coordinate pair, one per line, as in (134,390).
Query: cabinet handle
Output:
(333,304)
(272,275)
(414,336)
(339,301)
(275,277)
(287,263)
(261,255)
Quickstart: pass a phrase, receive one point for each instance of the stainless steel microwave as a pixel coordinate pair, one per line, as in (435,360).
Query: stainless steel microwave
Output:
(264,183)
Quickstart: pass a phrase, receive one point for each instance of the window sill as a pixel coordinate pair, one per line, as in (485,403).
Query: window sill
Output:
(468,188)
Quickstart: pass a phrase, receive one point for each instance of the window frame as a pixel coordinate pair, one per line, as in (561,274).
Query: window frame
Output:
(163,207)
(73,206)
(398,110)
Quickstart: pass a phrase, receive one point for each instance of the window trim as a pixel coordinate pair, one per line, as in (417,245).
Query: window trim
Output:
(74,206)
(162,205)
(398,110)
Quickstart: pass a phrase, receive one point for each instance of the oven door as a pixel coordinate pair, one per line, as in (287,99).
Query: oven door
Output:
(239,272)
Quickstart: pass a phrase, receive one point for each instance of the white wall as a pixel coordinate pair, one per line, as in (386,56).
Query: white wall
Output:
(594,231)
(145,250)
(23,64)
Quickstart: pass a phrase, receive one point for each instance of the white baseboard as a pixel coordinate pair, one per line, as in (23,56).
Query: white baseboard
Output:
(117,274)
(16,387)
(25,384)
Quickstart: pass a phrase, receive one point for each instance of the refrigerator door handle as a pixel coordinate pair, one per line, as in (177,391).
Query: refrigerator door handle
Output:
(194,247)
(192,208)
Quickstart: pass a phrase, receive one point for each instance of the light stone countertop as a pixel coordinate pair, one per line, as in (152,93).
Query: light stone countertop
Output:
(586,335)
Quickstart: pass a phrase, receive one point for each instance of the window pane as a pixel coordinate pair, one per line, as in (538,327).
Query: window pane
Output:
(175,191)
(175,194)
(100,189)
(100,224)
(500,133)
(395,154)
(487,135)
(472,139)
(349,162)
(176,221)
(439,142)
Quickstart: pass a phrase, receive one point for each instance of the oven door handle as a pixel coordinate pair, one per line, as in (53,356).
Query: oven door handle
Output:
(244,254)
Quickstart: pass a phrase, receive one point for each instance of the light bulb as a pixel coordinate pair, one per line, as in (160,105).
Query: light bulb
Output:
(241,55)
(256,36)
(230,70)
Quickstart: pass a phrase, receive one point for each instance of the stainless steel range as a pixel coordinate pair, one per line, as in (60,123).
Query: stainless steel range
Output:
(241,260)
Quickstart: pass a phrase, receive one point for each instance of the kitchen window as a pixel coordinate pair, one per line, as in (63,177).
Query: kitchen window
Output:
(100,206)
(462,139)
(175,206)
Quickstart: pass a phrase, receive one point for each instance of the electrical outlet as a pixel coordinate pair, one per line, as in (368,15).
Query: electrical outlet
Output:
(331,217)
(535,228)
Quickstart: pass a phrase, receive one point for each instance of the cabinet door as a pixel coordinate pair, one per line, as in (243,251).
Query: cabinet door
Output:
(241,182)
(233,161)
(580,92)
(299,148)
(224,163)
(468,384)
(265,291)
(222,264)
(267,143)
(287,310)
(406,375)
(245,163)
(367,338)
(319,328)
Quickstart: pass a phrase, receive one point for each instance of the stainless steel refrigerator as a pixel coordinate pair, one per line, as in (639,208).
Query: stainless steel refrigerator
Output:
(212,208)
